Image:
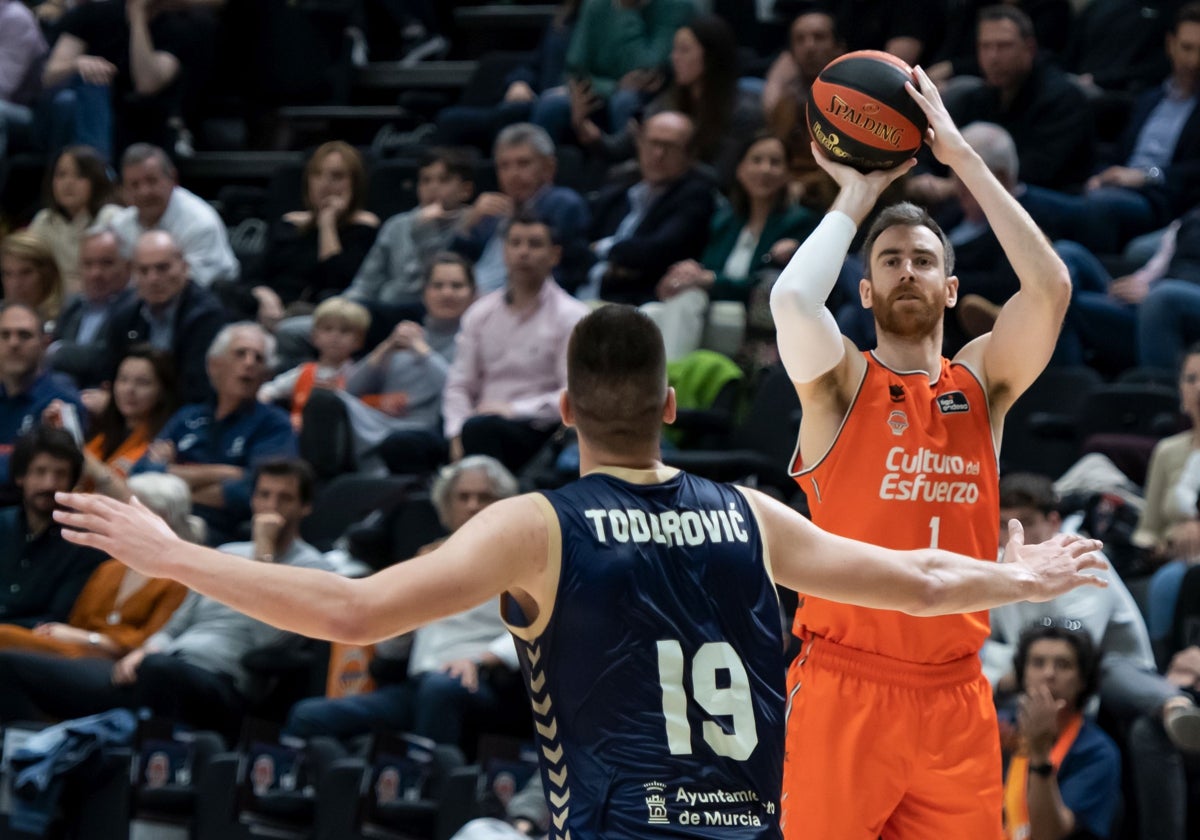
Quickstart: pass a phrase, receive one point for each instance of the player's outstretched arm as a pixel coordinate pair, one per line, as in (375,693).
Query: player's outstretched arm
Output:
(1023,338)
(924,581)
(503,547)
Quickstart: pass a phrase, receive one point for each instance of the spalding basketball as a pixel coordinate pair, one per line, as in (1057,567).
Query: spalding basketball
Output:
(860,114)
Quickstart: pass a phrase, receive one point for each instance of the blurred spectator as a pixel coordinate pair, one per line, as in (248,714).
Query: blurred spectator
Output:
(1065,776)
(144,396)
(214,445)
(1116,46)
(81,335)
(906,29)
(405,375)
(478,125)
(315,252)
(76,197)
(642,230)
(525,167)
(704,85)
(813,42)
(123,67)
(458,665)
(191,670)
(393,271)
(1168,319)
(759,228)
(151,186)
(118,608)
(1047,115)
(339,326)
(26,389)
(20,67)
(30,275)
(169,311)
(41,572)
(617,51)
(501,398)
(956,56)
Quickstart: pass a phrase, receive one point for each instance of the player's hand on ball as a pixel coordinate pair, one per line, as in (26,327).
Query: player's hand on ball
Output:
(942,136)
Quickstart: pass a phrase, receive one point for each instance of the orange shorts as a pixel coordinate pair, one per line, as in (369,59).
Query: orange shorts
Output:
(878,747)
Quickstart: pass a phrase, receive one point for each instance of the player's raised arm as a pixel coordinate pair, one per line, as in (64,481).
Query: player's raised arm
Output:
(504,547)
(923,581)
(1023,338)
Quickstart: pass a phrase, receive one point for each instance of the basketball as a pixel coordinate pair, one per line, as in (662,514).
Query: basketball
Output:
(860,114)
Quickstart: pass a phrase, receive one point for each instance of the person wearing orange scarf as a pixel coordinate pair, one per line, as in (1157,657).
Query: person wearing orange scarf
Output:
(1065,776)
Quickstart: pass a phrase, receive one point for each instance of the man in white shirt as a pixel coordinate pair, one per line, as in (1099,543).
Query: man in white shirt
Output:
(157,202)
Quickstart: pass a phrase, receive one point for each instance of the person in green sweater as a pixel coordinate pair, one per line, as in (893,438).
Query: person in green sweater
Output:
(617,53)
(758,228)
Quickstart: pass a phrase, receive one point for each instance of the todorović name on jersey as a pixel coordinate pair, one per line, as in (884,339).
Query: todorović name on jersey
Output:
(669,527)
(929,476)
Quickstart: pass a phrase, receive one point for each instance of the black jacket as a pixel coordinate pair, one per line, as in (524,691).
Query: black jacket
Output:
(87,364)
(1180,189)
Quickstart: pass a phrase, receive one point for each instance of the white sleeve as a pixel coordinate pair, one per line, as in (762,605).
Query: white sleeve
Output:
(810,343)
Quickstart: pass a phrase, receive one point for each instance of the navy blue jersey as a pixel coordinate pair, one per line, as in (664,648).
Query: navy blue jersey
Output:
(657,676)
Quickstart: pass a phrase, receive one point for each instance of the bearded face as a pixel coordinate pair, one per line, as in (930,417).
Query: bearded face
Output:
(908,289)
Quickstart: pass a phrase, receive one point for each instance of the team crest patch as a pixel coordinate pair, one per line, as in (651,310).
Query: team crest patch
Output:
(896,392)
(898,421)
(954,402)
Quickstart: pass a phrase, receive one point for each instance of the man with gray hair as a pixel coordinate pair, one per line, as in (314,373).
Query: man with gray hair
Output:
(525,167)
(214,445)
(157,202)
(168,310)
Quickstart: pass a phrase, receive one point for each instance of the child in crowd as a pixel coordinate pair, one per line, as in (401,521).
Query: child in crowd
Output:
(338,331)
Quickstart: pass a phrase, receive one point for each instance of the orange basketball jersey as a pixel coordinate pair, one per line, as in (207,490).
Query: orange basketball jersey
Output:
(913,466)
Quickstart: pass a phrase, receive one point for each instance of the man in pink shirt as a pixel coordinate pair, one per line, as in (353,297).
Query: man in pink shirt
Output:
(501,397)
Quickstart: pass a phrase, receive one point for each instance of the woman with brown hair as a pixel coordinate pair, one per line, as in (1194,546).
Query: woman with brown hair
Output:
(315,252)
(30,275)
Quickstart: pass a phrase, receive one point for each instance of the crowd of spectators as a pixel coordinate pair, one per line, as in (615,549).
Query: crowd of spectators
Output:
(141,352)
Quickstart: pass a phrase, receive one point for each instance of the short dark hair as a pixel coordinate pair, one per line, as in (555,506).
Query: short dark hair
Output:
(1071,632)
(296,468)
(908,214)
(617,377)
(527,216)
(1188,13)
(45,440)
(94,170)
(139,153)
(458,162)
(1003,11)
(451,258)
(796,9)
(1028,490)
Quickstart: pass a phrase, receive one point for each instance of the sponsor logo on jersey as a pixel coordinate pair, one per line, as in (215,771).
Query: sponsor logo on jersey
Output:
(896,392)
(954,402)
(930,476)
(897,421)
(656,803)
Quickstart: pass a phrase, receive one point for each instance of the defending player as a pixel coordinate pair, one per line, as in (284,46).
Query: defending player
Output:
(891,727)
(641,598)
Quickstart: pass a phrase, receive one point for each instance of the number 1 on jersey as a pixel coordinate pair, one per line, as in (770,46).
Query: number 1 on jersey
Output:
(935,525)
(733,700)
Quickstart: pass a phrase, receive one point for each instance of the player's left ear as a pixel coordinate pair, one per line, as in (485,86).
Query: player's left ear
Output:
(565,409)
(669,407)
(951,291)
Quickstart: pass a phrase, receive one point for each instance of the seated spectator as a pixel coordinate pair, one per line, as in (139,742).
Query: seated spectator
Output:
(813,42)
(123,67)
(76,198)
(478,125)
(618,49)
(339,328)
(42,574)
(1065,776)
(704,85)
(30,275)
(639,232)
(1045,113)
(501,397)
(81,334)
(24,48)
(405,375)
(525,166)
(25,388)
(191,670)
(144,397)
(956,56)
(168,311)
(1155,175)
(315,252)
(758,228)
(1170,523)
(1167,322)
(393,271)
(905,29)
(150,184)
(1160,720)
(1115,48)
(117,609)
(457,665)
